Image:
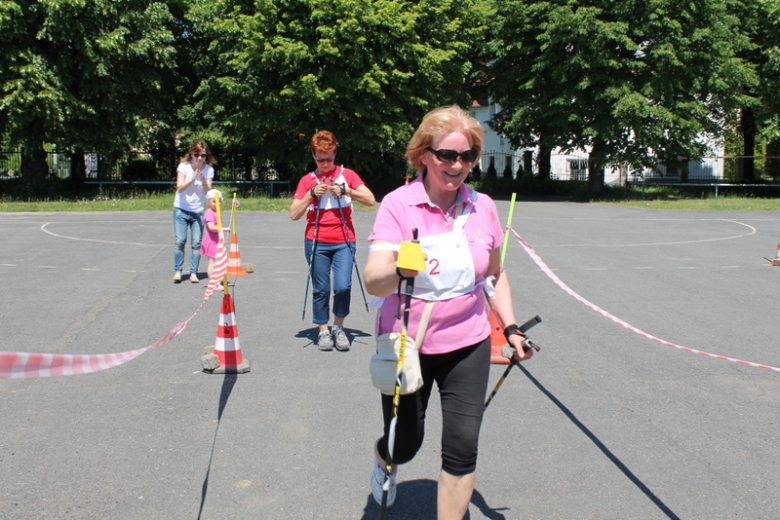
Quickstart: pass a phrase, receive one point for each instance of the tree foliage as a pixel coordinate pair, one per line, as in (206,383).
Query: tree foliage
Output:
(629,80)
(760,112)
(87,74)
(367,70)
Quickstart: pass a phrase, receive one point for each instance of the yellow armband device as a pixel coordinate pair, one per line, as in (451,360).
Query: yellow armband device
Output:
(410,256)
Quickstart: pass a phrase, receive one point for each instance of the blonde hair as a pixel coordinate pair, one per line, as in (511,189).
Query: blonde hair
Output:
(439,122)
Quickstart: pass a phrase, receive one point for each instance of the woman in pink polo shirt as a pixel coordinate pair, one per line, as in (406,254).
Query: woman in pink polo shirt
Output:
(461,237)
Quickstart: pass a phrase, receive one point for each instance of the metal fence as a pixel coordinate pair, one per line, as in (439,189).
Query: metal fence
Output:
(160,167)
(717,169)
(140,166)
(723,169)
(501,165)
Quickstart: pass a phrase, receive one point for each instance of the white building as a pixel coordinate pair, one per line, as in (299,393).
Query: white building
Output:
(574,165)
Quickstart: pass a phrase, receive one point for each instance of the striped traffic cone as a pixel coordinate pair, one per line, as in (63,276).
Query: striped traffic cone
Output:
(777,254)
(497,342)
(234,258)
(226,357)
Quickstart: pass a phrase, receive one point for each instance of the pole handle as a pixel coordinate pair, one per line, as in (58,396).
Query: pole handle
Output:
(530,323)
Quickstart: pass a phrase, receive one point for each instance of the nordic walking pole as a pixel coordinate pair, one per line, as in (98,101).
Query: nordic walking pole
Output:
(494,356)
(232,223)
(527,343)
(503,255)
(399,370)
(233,205)
(354,260)
(311,257)
(508,225)
(219,227)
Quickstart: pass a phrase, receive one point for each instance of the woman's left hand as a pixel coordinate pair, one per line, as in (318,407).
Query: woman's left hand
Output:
(522,352)
(335,190)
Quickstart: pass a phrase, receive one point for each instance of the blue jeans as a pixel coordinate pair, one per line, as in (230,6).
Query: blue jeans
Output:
(182,220)
(327,257)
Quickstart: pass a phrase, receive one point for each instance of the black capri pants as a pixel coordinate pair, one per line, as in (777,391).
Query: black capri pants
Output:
(462,378)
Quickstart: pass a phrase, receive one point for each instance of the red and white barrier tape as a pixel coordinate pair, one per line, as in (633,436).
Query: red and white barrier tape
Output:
(14,365)
(537,259)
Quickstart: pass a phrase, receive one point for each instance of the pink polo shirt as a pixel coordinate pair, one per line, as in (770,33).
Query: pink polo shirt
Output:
(458,322)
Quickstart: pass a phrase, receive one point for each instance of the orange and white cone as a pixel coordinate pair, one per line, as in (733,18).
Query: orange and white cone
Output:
(234,258)
(497,342)
(226,357)
(777,254)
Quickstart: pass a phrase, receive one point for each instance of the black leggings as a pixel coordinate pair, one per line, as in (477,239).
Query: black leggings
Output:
(462,377)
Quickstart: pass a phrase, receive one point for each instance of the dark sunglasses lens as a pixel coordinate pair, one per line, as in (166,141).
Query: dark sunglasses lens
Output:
(452,156)
(469,155)
(447,155)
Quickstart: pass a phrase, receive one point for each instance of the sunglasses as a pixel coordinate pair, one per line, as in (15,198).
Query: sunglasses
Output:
(327,159)
(450,156)
(199,155)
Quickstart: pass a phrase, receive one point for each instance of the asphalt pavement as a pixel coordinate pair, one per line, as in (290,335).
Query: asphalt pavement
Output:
(616,418)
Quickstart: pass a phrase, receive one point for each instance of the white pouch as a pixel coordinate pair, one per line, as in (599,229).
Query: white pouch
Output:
(385,362)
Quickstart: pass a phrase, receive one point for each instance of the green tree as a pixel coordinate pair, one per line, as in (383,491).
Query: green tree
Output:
(92,75)
(770,81)
(631,81)
(760,113)
(367,70)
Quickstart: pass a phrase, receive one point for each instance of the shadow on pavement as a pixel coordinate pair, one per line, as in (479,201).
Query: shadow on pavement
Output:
(416,500)
(227,387)
(311,335)
(611,456)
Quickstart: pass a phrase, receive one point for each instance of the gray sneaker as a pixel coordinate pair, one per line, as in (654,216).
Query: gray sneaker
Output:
(342,343)
(325,341)
(378,480)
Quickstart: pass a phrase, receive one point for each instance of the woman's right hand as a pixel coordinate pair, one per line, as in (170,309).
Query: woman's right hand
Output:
(407,273)
(319,190)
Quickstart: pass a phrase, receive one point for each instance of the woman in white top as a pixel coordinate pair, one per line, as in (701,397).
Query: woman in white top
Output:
(193,180)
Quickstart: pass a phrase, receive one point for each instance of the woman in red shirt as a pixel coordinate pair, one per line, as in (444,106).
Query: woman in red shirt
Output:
(325,197)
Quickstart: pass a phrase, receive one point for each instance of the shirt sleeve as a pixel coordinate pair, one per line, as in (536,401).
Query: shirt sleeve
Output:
(387,225)
(304,185)
(353,179)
